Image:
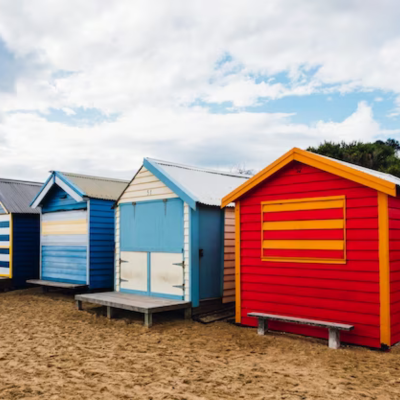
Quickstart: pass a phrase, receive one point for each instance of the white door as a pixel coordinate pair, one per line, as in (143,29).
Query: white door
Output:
(134,270)
(167,273)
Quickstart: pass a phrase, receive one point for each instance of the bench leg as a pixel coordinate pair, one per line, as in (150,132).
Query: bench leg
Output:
(262,326)
(148,320)
(110,312)
(188,313)
(79,305)
(334,338)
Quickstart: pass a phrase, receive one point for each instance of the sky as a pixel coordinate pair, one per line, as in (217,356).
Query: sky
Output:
(94,86)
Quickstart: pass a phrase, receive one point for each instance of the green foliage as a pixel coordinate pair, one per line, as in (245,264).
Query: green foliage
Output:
(380,156)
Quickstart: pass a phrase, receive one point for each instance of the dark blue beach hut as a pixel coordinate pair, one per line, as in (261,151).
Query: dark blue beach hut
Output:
(19,233)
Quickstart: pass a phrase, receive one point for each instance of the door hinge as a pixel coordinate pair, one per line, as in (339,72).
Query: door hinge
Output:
(181,264)
(179,286)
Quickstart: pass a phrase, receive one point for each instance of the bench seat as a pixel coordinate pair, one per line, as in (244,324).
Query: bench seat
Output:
(333,327)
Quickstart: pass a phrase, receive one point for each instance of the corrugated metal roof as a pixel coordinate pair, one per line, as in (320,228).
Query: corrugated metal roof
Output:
(97,187)
(17,195)
(377,174)
(206,185)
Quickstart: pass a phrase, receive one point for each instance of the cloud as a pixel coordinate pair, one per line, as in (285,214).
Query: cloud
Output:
(116,81)
(31,145)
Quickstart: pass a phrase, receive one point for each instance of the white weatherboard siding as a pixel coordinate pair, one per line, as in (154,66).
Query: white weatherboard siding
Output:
(229,256)
(146,187)
(5,244)
(186,232)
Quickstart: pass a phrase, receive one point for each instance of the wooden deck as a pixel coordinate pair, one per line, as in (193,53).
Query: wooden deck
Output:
(60,285)
(146,305)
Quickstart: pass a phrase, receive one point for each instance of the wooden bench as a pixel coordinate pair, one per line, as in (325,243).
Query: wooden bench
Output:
(334,328)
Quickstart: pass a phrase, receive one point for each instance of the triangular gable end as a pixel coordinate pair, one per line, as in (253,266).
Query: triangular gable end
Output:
(3,210)
(167,180)
(57,179)
(317,161)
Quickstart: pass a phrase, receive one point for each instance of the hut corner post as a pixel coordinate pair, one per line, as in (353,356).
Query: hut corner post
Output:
(384,270)
(238,318)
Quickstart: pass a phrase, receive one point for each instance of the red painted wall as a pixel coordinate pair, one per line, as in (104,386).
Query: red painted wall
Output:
(347,293)
(394,249)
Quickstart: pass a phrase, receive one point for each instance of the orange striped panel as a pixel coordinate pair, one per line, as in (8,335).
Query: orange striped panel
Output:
(325,217)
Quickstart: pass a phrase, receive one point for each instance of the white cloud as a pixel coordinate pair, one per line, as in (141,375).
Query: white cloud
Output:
(147,61)
(30,145)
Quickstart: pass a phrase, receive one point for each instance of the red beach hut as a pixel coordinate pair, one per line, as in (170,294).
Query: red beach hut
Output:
(319,238)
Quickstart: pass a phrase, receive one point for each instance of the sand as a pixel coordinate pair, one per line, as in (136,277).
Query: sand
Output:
(49,350)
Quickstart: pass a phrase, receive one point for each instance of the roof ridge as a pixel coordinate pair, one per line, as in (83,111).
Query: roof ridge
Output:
(20,181)
(200,169)
(102,178)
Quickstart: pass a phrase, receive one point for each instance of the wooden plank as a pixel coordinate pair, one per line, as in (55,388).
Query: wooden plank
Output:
(62,285)
(300,204)
(304,244)
(300,225)
(304,321)
(132,302)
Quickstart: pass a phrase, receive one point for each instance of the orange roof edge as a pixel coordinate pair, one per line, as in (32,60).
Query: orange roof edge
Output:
(317,161)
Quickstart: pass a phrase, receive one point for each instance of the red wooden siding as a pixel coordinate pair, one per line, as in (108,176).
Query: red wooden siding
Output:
(394,250)
(347,293)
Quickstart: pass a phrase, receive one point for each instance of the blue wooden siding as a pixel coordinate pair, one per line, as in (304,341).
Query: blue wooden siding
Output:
(152,226)
(64,264)
(26,248)
(194,257)
(211,225)
(101,244)
(59,200)
(64,257)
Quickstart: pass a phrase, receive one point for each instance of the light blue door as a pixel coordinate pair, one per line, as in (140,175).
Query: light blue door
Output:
(152,248)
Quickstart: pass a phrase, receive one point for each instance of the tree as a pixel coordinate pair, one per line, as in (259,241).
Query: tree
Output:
(380,156)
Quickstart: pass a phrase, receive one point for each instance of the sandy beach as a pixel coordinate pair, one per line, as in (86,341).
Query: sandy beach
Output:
(49,350)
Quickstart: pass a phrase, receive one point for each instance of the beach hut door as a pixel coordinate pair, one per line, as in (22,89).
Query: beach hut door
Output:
(153,273)
(151,245)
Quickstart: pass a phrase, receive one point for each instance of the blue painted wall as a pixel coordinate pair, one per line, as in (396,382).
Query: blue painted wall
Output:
(58,200)
(26,248)
(152,226)
(64,264)
(194,257)
(211,225)
(102,244)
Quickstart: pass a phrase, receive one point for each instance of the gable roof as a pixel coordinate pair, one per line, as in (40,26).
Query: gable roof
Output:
(96,187)
(379,181)
(16,195)
(81,186)
(194,184)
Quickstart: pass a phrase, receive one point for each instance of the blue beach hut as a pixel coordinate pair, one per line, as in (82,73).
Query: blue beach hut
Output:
(19,233)
(77,230)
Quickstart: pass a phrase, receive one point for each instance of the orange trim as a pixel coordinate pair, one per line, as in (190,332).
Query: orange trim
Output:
(317,161)
(300,204)
(304,244)
(384,269)
(238,317)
